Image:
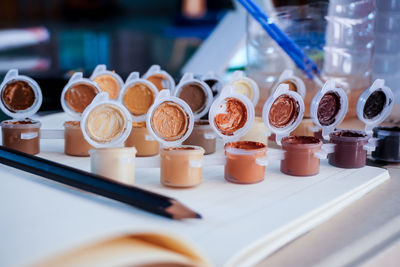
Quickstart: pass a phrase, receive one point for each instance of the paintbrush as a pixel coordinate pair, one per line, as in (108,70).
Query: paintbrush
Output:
(140,198)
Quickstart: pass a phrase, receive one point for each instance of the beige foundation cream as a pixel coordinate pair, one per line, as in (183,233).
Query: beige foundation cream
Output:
(245,86)
(114,163)
(141,139)
(258,132)
(21,98)
(74,142)
(106,124)
(170,121)
(108,81)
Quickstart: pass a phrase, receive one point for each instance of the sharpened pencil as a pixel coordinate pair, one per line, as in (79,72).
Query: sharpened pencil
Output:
(131,195)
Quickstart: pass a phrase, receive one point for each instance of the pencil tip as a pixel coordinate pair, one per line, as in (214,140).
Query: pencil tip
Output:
(178,211)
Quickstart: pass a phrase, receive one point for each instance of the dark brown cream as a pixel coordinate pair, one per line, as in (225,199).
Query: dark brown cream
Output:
(194,95)
(79,96)
(374,104)
(18,95)
(284,111)
(328,108)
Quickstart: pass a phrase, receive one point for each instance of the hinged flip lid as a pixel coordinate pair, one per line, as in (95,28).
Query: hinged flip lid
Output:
(245,86)
(295,83)
(101,70)
(160,78)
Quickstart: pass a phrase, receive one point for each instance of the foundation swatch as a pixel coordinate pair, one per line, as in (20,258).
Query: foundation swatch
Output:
(104,123)
(194,95)
(328,108)
(292,86)
(160,81)
(234,118)
(283,111)
(374,104)
(79,96)
(18,95)
(109,84)
(170,121)
(138,99)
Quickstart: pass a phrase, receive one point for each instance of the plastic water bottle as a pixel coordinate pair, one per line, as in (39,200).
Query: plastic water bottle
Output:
(349,44)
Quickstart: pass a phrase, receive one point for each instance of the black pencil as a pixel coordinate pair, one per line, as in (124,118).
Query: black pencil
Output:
(140,198)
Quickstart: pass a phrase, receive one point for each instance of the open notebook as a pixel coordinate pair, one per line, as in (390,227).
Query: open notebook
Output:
(45,223)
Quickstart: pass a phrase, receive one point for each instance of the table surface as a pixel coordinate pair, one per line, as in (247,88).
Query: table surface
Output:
(368,231)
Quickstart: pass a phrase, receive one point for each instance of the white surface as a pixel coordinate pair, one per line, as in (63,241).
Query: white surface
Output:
(40,217)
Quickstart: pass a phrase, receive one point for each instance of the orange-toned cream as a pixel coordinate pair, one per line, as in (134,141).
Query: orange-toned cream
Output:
(108,84)
(138,98)
(234,118)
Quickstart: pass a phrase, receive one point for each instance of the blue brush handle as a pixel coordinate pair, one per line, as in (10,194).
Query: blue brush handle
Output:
(300,59)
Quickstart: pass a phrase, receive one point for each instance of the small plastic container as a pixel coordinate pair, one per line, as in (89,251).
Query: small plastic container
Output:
(202,136)
(351,147)
(108,81)
(75,144)
(282,113)
(305,128)
(160,78)
(105,125)
(302,155)
(74,91)
(214,81)
(245,86)
(231,116)
(21,97)
(137,96)
(329,107)
(295,83)
(388,144)
(170,121)
(196,93)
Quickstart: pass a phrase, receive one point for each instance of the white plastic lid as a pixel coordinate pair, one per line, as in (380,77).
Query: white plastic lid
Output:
(238,76)
(383,109)
(102,70)
(75,79)
(329,87)
(156,70)
(102,99)
(133,79)
(218,84)
(280,132)
(288,77)
(188,78)
(219,107)
(11,76)
(165,96)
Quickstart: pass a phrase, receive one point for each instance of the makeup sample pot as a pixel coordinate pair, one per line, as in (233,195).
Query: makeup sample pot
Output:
(258,132)
(214,81)
(245,86)
(138,96)
(105,125)
(295,83)
(108,81)
(77,94)
(231,116)
(388,144)
(160,78)
(170,121)
(21,97)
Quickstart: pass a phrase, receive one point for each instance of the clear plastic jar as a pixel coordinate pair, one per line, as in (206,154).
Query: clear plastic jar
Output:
(75,144)
(22,135)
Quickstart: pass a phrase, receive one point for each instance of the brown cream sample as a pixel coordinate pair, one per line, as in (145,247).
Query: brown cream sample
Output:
(138,98)
(22,135)
(203,136)
(17,96)
(283,111)
(79,96)
(75,144)
(109,84)
(138,138)
(160,81)
(234,118)
(194,95)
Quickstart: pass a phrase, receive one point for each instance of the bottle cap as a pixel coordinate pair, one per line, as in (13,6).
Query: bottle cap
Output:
(77,94)
(21,96)
(295,83)
(170,119)
(231,115)
(160,78)
(196,93)
(112,86)
(214,81)
(105,122)
(245,86)
(375,104)
(283,111)
(137,96)
(329,107)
